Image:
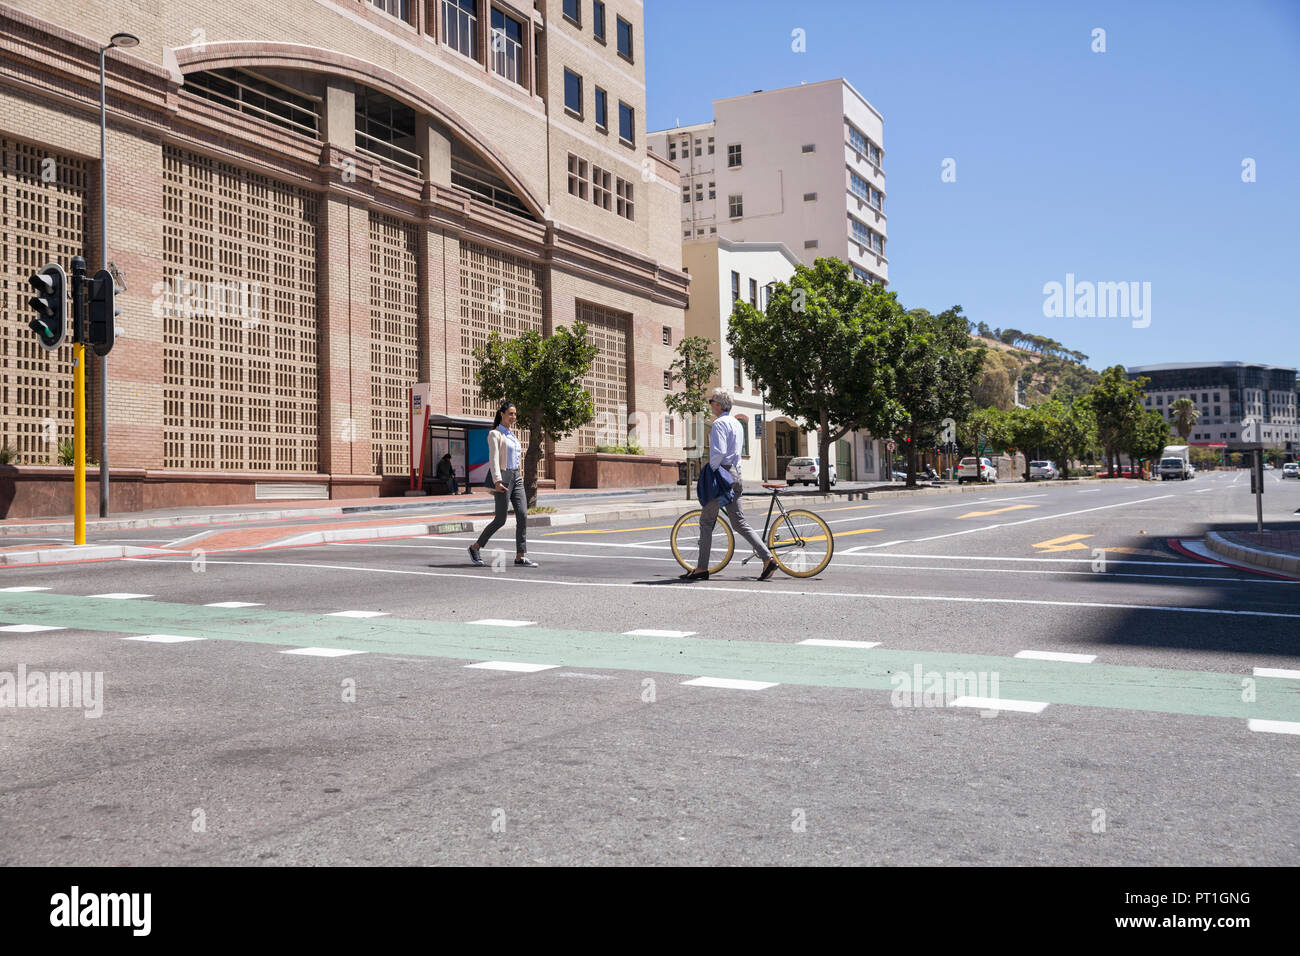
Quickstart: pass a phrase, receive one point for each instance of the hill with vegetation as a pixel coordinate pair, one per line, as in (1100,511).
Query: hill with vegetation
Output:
(1043,366)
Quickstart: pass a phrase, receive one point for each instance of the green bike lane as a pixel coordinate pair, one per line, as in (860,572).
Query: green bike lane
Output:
(1114,687)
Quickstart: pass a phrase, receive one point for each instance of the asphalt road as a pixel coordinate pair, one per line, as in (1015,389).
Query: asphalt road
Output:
(1157,743)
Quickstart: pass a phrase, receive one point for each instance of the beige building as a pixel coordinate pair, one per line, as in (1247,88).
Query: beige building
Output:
(318,203)
(802,165)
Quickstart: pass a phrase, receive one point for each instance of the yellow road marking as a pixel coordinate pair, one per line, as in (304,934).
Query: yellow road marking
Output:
(834,534)
(851,508)
(995,511)
(1068,542)
(1146,551)
(658,527)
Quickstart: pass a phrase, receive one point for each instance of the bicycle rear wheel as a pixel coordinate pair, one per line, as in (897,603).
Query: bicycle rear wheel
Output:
(685,542)
(801,543)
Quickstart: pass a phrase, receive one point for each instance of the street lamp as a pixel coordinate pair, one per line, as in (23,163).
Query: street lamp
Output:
(125,41)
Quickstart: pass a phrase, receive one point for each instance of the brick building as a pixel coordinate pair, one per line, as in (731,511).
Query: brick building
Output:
(318,203)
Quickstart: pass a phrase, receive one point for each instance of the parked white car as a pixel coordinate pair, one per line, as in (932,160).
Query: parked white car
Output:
(966,471)
(1043,469)
(1291,470)
(806,471)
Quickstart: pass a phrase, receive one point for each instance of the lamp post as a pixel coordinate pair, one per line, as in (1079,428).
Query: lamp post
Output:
(125,41)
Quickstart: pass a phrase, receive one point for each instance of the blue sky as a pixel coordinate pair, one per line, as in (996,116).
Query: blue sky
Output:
(1122,166)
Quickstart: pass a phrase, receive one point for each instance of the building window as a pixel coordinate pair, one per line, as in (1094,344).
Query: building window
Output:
(397,8)
(573,11)
(699,232)
(600,190)
(710,145)
(810,243)
(735,287)
(753,292)
(713,229)
(507,47)
(668,336)
(623,188)
(672,150)
(736,206)
(460,26)
(385,129)
(668,380)
(573,93)
(873,155)
(626,131)
(809,197)
(733,155)
(598,20)
(858,186)
(744,437)
(857,141)
(686,234)
(808,148)
(686,195)
(577,177)
(860,232)
(624,38)
(713,192)
(736,373)
(668,424)
(602,119)
(699,192)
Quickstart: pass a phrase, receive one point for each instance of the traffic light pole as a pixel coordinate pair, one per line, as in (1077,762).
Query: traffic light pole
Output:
(79,399)
(103,254)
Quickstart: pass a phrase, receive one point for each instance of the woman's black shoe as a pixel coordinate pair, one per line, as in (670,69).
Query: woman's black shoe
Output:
(768,569)
(696,575)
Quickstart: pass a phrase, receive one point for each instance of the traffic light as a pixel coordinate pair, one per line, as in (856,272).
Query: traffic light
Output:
(101,330)
(51,305)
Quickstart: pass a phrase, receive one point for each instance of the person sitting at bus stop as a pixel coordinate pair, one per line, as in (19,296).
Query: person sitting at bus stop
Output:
(447,474)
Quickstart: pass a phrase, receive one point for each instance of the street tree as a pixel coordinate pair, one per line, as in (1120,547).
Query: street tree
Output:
(1186,415)
(694,368)
(543,377)
(1147,438)
(818,353)
(934,370)
(1116,404)
(1073,435)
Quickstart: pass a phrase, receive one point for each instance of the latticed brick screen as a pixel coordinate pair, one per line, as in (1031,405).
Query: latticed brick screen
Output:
(608,331)
(498,293)
(394,339)
(42,219)
(238,303)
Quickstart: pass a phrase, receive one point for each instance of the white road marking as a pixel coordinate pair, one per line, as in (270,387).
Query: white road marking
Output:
(1063,514)
(648,632)
(1111,575)
(1274,726)
(503,622)
(357,614)
(233,604)
(30,628)
(121,595)
(728,683)
(997,703)
(512,666)
(1259,671)
(321,651)
(754,592)
(163,638)
(19,590)
(827,642)
(867,547)
(1172,562)
(1201,491)
(1057,656)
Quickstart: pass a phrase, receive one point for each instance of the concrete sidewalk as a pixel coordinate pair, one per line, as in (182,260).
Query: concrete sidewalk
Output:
(1267,550)
(455,515)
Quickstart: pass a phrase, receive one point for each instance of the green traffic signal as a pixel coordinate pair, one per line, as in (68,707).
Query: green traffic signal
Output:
(51,306)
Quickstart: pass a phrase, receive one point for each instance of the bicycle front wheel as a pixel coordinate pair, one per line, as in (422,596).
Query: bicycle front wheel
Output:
(686,542)
(801,543)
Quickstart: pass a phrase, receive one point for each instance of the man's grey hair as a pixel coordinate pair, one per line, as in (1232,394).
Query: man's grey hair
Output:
(722,397)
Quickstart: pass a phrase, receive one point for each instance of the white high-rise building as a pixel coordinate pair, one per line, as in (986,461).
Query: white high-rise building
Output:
(802,166)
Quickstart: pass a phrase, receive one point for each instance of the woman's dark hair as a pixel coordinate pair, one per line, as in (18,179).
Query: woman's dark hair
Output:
(496,422)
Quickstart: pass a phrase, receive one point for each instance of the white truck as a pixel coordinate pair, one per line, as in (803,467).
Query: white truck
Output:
(1175,462)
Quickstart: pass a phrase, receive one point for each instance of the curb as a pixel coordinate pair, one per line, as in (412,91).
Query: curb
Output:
(1271,560)
(77,553)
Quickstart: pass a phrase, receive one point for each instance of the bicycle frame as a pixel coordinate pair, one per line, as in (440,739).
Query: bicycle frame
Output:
(775,503)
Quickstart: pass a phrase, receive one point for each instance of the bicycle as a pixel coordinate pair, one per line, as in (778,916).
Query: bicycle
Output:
(800,541)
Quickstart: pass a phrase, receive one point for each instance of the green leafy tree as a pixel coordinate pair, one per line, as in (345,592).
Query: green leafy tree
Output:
(543,377)
(818,352)
(1073,436)
(935,369)
(1147,438)
(1186,415)
(694,368)
(1116,404)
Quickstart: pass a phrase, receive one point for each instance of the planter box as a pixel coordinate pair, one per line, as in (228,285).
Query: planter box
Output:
(603,470)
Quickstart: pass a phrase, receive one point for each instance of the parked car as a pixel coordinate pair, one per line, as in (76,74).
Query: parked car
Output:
(1043,469)
(805,471)
(1291,470)
(966,471)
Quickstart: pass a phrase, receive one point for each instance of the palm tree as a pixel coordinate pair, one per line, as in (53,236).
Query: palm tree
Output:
(1185,415)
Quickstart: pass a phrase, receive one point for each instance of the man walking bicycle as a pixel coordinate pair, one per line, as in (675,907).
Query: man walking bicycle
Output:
(726,439)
